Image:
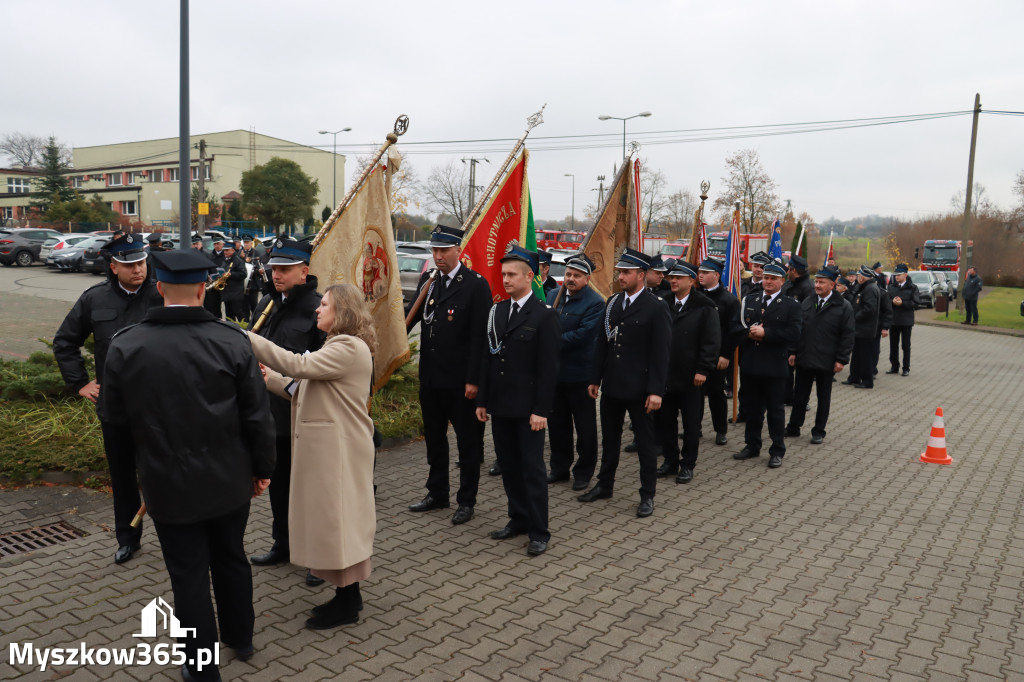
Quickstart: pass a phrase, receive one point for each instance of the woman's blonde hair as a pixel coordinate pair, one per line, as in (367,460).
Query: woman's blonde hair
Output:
(351,314)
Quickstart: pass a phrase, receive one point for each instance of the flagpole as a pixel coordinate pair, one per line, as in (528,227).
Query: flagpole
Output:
(803,230)
(698,220)
(531,123)
(401,125)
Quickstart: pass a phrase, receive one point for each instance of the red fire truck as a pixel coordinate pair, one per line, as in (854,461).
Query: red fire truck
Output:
(749,244)
(942,254)
(559,239)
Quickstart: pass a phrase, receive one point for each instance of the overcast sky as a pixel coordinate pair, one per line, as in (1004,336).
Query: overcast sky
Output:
(106,71)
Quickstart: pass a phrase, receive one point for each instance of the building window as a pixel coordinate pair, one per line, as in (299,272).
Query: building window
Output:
(156,175)
(129,208)
(174,175)
(76,181)
(7,212)
(114,180)
(136,178)
(195,173)
(18,185)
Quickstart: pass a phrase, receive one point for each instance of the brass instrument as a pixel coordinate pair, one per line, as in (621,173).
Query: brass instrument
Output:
(221,281)
(263,317)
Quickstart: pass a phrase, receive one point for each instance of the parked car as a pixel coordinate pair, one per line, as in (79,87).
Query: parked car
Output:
(557,271)
(21,245)
(563,252)
(56,243)
(926,285)
(414,247)
(70,257)
(411,267)
(953,278)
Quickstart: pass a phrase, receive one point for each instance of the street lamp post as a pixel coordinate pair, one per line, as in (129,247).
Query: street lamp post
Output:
(334,194)
(572,219)
(604,117)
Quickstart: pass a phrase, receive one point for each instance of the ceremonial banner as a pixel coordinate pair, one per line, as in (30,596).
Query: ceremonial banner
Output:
(775,245)
(506,216)
(829,255)
(359,249)
(733,266)
(611,233)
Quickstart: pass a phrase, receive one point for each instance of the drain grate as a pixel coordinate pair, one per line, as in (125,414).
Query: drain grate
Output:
(36,538)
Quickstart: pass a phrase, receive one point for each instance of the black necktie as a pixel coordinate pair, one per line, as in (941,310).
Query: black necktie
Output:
(512,315)
(821,302)
(625,306)
(447,281)
(679,306)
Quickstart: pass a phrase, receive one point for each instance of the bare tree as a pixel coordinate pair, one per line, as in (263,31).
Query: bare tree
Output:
(980,203)
(23,150)
(447,190)
(405,185)
(652,197)
(679,209)
(749,183)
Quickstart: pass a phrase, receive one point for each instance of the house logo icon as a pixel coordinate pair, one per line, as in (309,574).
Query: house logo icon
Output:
(156,611)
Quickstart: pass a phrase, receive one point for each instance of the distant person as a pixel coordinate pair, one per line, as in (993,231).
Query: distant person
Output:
(905,300)
(972,287)
(547,281)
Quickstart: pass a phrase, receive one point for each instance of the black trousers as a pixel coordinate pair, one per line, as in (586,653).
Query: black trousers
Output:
(613,411)
(714,389)
(876,351)
(279,485)
(251,300)
(862,363)
(124,483)
(439,407)
(195,553)
(822,380)
(970,310)
(234,308)
(573,406)
(689,403)
(765,396)
(899,336)
(520,453)
(212,303)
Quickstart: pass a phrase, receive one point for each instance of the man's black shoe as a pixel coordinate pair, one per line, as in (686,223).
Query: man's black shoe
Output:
(580,484)
(462,514)
(557,478)
(242,653)
(746,453)
(126,552)
(495,470)
(503,534)
(646,507)
(721,439)
(862,386)
(272,558)
(894,370)
(312,580)
(685,476)
(791,432)
(631,447)
(429,502)
(817,440)
(187,675)
(906,373)
(774,462)
(667,469)
(537,547)
(595,493)
(848,382)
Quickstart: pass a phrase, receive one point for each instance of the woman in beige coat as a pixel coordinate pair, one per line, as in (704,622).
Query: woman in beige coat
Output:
(331,517)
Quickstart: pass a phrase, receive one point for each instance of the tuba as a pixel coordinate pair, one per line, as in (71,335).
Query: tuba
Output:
(221,281)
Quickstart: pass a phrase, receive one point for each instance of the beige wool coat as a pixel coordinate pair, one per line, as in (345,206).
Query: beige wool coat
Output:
(331,515)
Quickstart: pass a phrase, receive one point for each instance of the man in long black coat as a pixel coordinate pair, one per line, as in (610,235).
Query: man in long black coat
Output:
(905,300)
(696,338)
(517,386)
(630,365)
(233,293)
(865,299)
(728,307)
(826,341)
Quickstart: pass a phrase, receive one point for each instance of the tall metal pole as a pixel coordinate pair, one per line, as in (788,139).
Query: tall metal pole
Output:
(965,230)
(624,137)
(184,178)
(201,185)
(334,176)
(572,219)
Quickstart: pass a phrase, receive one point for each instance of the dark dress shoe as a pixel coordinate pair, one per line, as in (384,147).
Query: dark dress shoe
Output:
(646,507)
(774,462)
(272,558)
(557,478)
(242,653)
(850,383)
(343,609)
(746,453)
(595,493)
(892,371)
(631,447)
(905,373)
(863,386)
(429,502)
(312,580)
(580,484)
(462,514)
(817,440)
(187,675)
(685,476)
(537,547)
(126,552)
(667,469)
(504,534)
(791,432)
(721,439)
(495,470)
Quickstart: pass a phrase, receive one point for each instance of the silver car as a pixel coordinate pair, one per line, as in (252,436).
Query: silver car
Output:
(411,267)
(926,285)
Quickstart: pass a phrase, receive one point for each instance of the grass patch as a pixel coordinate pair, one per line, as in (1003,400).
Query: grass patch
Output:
(396,407)
(998,307)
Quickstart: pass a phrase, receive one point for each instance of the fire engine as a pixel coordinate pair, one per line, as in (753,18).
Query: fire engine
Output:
(749,244)
(559,239)
(942,254)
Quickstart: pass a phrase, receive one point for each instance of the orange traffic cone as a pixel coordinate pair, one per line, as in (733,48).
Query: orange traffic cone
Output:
(936,453)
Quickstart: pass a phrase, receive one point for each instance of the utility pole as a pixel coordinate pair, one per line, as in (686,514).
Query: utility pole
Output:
(472,177)
(965,230)
(184,224)
(600,191)
(201,193)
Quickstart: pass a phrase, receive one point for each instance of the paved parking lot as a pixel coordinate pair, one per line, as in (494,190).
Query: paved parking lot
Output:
(851,562)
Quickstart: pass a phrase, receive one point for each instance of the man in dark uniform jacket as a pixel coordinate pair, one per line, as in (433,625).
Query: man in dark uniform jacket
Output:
(884,323)
(233,294)
(153,240)
(728,307)
(696,339)
(291,324)
(905,300)
(453,323)
(866,305)
(187,394)
(752,284)
(773,327)
(254,285)
(580,311)
(629,371)
(826,341)
(101,311)
(214,299)
(517,384)
(797,286)
(655,281)
(548,282)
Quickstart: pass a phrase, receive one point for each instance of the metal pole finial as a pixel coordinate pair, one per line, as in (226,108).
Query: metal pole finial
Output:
(536,119)
(704,187)
(634,147)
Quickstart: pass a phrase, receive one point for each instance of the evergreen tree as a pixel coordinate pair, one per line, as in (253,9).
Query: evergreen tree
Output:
(52,186)
(796,237)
